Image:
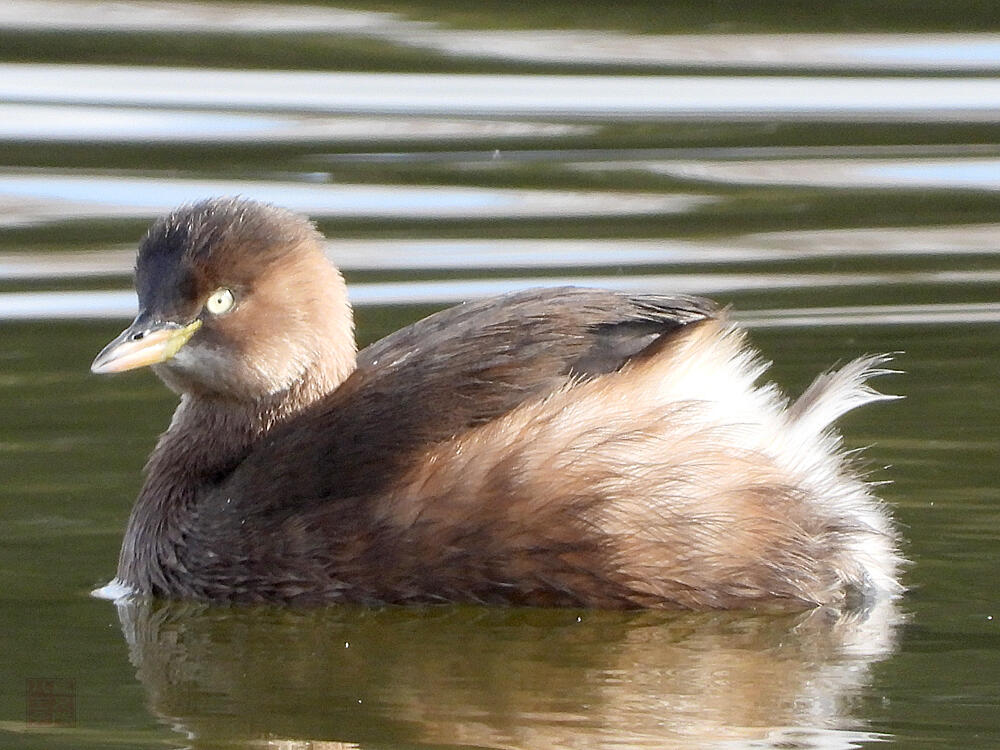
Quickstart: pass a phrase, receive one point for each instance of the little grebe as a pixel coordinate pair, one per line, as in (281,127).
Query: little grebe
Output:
(565,447)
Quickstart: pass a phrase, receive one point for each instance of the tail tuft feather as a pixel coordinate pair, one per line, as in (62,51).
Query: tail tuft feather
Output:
(836,392)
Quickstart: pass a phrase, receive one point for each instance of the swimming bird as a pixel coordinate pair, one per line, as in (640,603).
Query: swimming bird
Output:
(551,447)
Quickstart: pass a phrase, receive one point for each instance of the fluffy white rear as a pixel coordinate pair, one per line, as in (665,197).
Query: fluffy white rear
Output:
(708,489)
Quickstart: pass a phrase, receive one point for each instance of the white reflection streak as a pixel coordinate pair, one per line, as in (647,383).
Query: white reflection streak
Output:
(971,52)
(966,52)
(99,305)
(41,122)
(37,198)
(468,95)
(246,18)
(66,265)
(874,315)
(918,173)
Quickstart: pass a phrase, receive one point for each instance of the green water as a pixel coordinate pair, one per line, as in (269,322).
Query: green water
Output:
(833,231)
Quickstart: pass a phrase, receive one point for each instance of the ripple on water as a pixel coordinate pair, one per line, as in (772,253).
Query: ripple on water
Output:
(36,198)
(871,51)
(852,173)
(911,99)
(102,124)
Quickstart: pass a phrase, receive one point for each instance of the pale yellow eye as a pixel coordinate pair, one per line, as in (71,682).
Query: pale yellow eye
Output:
(221,301)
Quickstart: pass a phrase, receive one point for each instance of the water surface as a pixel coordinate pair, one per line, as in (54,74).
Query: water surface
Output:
(832,177)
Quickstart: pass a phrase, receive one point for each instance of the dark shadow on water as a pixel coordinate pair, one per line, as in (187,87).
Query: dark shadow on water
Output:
(462,676)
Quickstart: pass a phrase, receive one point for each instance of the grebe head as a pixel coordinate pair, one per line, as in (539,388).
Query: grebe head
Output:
(237,300)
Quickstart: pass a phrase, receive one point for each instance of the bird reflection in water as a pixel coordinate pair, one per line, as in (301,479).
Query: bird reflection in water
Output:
(505,678)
